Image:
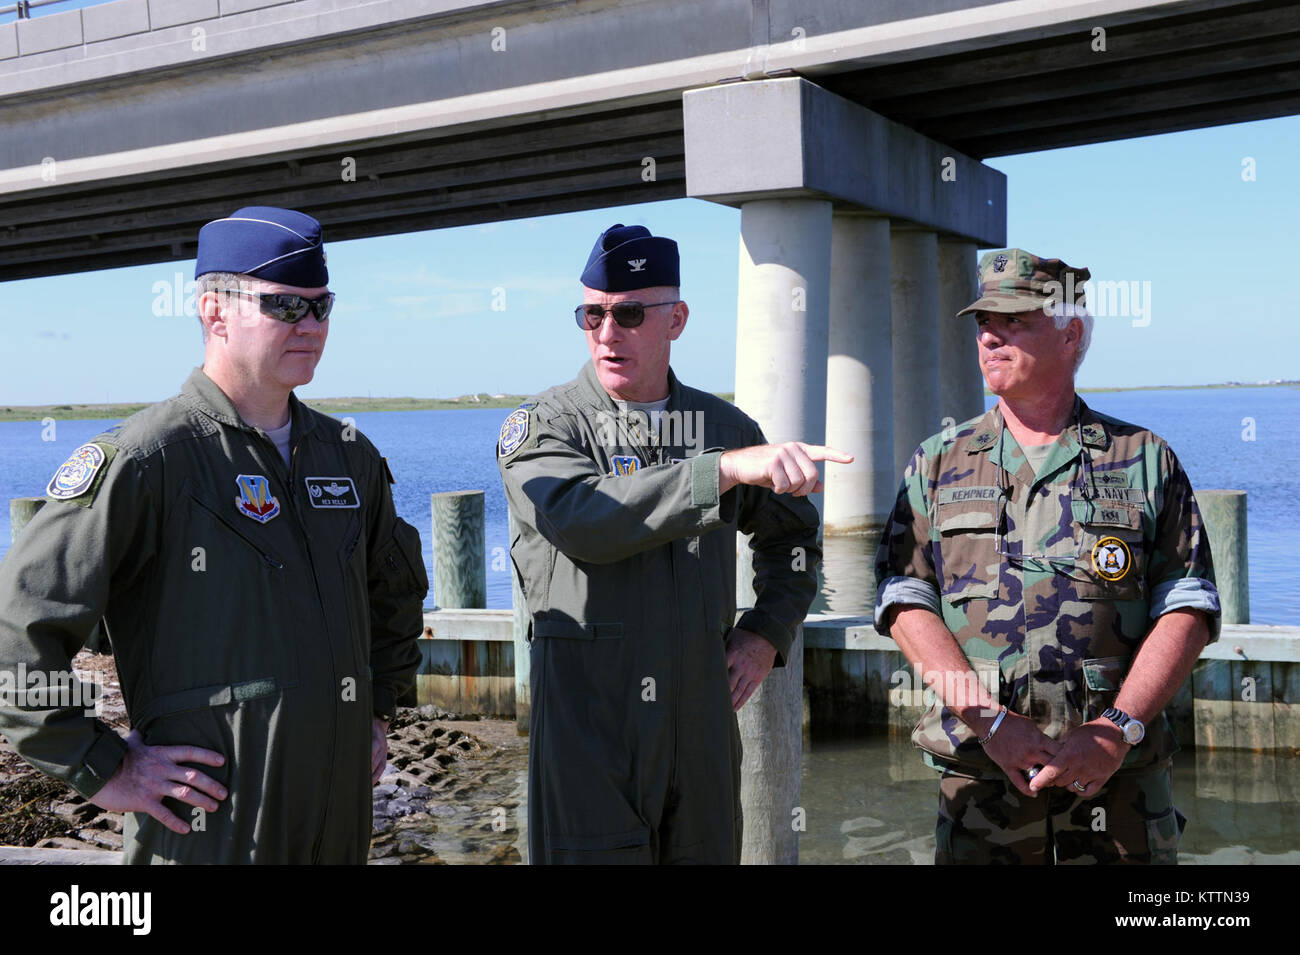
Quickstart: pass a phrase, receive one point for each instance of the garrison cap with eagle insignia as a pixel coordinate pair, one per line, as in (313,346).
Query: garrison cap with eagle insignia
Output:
(628,257)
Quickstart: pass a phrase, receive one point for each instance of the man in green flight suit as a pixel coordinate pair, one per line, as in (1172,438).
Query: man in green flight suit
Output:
(261,595)
(626,490)
(1046,570)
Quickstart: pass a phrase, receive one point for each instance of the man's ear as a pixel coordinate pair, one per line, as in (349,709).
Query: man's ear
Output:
(678,324)
(211,314)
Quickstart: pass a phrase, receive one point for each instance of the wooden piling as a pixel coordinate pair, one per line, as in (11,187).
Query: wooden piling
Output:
(21,511)
(523,650)
(1224,513)
(459,545)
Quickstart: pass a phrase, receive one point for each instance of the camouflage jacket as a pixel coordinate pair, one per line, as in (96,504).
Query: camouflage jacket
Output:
(1048,581)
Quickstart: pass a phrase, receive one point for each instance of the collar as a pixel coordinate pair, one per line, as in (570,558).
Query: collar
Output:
(989,427)
(205,396)
(597,397)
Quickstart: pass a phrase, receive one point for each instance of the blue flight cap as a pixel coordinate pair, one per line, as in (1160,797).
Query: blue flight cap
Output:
(278,245)
(628,257)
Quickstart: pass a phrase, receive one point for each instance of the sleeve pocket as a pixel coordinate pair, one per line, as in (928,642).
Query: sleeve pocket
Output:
(1102,678)
(401,564)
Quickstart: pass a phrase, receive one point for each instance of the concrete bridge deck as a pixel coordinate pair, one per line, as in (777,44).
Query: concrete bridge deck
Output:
(130,124)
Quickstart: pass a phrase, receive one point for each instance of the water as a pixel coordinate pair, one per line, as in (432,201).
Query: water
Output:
(432,451)
(870,801)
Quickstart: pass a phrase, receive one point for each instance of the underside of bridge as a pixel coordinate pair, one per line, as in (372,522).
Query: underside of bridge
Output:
(1158,67)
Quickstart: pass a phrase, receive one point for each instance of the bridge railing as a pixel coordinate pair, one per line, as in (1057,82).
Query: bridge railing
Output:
(24,8)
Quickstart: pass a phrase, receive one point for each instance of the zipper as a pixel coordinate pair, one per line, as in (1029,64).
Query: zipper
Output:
(320,603)
(270,559)
(292,508)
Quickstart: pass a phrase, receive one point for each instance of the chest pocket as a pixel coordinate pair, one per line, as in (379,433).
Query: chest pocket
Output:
(225,617)
(968,563)
(1112,550)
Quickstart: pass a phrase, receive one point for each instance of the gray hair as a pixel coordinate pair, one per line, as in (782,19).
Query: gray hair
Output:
(214,282)
(1062,313)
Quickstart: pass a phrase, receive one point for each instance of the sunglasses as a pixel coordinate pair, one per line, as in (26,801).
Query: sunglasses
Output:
(285,307)
(626,314)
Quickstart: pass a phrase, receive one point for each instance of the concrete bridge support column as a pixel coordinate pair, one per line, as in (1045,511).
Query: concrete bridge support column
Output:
(781,345)
(860,375)
(914,268)
(961,386)
(859,410)
(783,150)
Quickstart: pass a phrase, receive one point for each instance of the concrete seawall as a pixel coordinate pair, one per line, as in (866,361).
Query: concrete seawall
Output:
(1243,694)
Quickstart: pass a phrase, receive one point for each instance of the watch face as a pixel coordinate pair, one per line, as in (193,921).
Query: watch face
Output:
(1134,732)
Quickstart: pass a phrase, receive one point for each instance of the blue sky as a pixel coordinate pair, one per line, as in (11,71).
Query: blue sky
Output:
(1171,215)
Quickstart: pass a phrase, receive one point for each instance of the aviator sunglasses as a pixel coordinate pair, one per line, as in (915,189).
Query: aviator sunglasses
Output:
(626,314)
(286,307)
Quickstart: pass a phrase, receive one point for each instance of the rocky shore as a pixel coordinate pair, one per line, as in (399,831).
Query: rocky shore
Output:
(452,792)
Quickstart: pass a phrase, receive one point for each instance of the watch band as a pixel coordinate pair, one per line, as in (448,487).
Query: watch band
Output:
(1133,730)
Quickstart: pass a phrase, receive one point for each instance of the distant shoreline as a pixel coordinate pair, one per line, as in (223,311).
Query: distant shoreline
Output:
(338,406)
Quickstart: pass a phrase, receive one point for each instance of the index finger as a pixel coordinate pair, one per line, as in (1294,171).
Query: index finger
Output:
(192,754)
(819,452)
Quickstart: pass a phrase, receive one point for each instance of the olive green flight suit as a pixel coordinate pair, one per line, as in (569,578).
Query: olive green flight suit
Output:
(626,553)
(272,641)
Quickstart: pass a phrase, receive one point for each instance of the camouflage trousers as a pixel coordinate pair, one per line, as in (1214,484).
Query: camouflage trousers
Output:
(1131,820)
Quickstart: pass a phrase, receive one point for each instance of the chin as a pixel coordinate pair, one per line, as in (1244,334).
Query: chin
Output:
(613,382)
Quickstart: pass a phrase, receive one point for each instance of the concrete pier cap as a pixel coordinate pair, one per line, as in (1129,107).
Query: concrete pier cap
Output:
(789,138)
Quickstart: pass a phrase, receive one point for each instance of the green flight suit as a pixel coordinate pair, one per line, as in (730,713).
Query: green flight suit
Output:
(626,553)
(260,611)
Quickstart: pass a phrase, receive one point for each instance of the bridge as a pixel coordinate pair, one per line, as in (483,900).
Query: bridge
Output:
(850,135)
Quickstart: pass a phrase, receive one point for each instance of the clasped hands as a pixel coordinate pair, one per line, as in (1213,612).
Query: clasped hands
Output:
(1088,755)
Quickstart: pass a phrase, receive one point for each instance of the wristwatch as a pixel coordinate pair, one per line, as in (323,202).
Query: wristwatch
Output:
(1133,730)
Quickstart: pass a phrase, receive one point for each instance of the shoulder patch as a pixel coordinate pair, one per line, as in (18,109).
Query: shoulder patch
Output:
(517,431)
(78,479)
(388,472)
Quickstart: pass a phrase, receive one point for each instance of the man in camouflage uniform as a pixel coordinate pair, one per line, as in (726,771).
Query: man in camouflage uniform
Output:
(1046,570)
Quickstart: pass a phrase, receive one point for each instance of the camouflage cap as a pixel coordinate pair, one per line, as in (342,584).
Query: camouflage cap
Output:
(1013,280)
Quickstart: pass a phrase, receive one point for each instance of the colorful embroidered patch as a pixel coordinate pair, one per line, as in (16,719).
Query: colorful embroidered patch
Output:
(327,493)
(1111,558)
(514,431)
(255,499)
(625,464)
(77,474)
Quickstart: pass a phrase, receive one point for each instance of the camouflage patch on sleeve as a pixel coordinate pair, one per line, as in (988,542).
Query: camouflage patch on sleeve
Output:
(78,480)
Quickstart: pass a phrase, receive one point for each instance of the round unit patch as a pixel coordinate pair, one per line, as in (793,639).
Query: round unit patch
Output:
(1111,558)
(514,431)
(77,473)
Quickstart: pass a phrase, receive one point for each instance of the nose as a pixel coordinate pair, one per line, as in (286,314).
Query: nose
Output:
(608,330)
